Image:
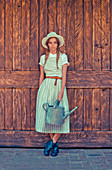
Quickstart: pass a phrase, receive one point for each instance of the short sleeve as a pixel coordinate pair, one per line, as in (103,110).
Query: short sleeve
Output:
(42,60)
(64,59)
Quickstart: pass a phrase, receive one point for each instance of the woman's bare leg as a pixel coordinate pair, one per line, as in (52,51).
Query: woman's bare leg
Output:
(51,135)
(55,137)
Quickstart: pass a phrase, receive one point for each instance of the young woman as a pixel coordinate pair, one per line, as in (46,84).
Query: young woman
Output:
(54,64)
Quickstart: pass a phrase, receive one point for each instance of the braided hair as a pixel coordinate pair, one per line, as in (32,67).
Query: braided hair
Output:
(48,50)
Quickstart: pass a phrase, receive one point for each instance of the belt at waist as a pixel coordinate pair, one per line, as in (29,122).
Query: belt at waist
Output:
(54,77)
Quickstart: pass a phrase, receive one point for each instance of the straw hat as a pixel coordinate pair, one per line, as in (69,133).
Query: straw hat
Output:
(52,34)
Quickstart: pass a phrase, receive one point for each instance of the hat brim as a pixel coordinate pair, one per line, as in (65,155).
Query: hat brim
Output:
(59,37)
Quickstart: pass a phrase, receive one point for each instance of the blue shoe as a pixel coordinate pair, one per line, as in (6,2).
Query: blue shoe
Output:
(47,143)
(55,150)
(48,148)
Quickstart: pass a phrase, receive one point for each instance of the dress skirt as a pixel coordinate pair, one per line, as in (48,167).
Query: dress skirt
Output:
(48,93)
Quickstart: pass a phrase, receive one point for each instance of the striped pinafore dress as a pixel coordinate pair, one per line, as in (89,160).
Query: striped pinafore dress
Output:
(48,92)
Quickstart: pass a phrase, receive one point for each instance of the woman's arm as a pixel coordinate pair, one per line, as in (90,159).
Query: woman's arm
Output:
(41,75)
(64,71)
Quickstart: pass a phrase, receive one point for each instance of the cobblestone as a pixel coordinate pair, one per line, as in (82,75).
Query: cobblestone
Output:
(67,159)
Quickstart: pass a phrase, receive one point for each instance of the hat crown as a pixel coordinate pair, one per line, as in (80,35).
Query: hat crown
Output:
(51,34)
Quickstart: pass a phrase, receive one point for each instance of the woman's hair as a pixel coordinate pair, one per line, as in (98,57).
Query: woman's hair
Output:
(47,52)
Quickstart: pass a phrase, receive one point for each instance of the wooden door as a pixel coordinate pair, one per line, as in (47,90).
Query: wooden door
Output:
(87,30)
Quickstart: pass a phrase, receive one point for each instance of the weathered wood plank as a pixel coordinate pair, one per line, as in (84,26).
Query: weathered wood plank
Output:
(78,125)
(79,44)
(88,35)
(21,31)
(111,33)
(76,139)
(19,79)
(17,58)
(70,45)
(2,5)
(8,109)
(52,15)
(96,110)
(34,46)
(97,27)
(89,79)
(110,109)
(104,99)
(8,35)
(25,33)
(105,8)
(43,24)
(33,107)
(2,108)
(71,101)
(26,117)
(61,21)
(17,112)
(87,109)
(87,139)
(75,79)
(75,98)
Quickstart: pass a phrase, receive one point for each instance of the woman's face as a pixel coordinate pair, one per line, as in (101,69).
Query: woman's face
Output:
(52,44)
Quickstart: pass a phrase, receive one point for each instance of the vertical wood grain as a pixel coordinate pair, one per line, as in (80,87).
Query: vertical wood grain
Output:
(87,109)
(70,33)
(34,51)
(25,33)
(97,27)
(8,62)
(34,35)
(8,109)
(2,108)
(96,110)
(79,44)
(71,101)
(17,58)
(8,35)
(78,118)
(111,32)
(52,15)
(88,35)
(26,117)
(110,109)
(105,8)
(17,112)
(104,109)
(86,26)
(61,22)
(43,24)
(17,61)
(2,35)
(33,107)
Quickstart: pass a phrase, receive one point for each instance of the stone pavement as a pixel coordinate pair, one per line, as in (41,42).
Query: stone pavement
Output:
(67,159)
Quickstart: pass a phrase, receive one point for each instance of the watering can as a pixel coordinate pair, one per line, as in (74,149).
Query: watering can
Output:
(55,114)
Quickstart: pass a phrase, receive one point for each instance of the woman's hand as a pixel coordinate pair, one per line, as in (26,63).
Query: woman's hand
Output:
(60,95)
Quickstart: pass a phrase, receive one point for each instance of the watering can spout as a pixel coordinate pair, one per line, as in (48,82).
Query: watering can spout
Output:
(68,114)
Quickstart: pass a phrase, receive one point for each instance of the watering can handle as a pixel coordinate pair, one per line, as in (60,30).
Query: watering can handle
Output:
(57,102)
(44,106)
